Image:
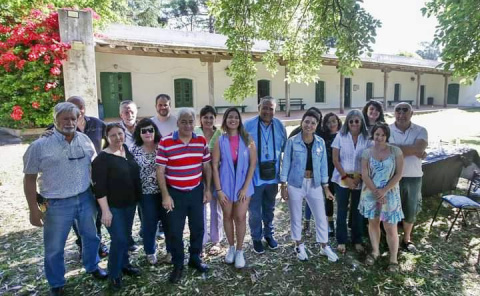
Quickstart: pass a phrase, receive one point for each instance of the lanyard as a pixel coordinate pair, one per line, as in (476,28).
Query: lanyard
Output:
(259,139)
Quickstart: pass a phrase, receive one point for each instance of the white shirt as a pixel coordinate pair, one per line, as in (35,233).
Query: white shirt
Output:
(350,156)
(412,165)
(166,127)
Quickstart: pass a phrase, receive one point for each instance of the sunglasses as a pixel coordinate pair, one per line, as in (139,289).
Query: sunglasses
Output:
(145,130)
(352,121)
(402,109)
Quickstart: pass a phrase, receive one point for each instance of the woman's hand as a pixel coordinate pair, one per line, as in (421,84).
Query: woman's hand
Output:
(380,195)
(167,203)
(107,218)
(328,193)
(350,183)
(242,195)
(222,198)
(284,192)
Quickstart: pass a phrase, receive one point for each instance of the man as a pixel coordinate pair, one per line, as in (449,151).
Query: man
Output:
(413,140)
(270,136)
(182,159)
(61,163)
(128,114)
(164,120)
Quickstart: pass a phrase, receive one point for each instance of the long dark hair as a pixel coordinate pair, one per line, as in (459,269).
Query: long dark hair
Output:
(109,127)
(241,129)
(378,106)
(138,129)
(325,129)
(204,111)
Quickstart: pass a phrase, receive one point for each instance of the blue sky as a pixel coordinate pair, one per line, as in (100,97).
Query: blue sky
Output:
(403,26)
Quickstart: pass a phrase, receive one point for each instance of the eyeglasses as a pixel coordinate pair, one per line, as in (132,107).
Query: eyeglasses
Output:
(402,109)
(75,153)
(145,130)
(352,121)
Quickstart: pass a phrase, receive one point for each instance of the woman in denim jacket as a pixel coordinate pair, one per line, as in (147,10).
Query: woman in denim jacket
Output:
(304,167)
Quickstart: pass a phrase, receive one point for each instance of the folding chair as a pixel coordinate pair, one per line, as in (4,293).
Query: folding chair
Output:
(464,204)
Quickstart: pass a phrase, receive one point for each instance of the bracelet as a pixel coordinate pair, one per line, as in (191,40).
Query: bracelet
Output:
(344,177)
(218,190)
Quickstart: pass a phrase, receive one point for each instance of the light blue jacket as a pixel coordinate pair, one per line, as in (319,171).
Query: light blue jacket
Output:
(295,161)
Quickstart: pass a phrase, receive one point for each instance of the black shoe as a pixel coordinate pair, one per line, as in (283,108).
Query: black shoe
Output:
(198,265)
(99,274)
(409,247)
(176,274)
(103,250)
(271,243)
(133,248)
(116,284)
(258,247)
(58,291)
(130,270)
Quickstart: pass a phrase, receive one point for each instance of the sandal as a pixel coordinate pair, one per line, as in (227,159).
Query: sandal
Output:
(341,248)
(359,248)
(393,267)
(370,260)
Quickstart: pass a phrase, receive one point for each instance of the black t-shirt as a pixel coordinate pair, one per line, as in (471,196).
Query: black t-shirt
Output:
(309,166)
(117,178)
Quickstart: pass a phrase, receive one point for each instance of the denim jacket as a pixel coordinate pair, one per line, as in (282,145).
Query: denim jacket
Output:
(295,161)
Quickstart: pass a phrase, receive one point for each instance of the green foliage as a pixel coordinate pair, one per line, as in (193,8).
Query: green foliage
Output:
(299,33)
(409,54)
(147,13)
(458,34)
(188,14)
(430,51)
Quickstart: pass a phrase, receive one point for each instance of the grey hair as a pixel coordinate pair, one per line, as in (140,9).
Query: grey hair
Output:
(404,104)
(186,111)
(363,128)
(266,99)
(126,103)
(65,107)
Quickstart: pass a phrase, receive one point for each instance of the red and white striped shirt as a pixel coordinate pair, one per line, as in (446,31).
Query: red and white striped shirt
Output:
(183,162)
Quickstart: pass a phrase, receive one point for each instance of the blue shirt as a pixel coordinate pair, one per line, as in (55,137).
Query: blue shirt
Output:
(251,126)
(295,161)
(63,168)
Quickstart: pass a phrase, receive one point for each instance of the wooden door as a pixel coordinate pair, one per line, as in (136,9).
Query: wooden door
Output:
(453,92)
(348,93)
(115,87)
(263,89)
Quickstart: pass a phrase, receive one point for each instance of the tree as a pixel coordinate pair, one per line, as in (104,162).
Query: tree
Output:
(409,54)
(189,14)
(458,34)
(147,13)
(430,51)
(298,33)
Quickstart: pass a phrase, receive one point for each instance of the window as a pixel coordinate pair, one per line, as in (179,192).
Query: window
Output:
(263,88)
(320,92)
(396,94)
(369,89)
(183,92)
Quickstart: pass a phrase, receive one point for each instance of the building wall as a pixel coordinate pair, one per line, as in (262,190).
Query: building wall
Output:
(152,76)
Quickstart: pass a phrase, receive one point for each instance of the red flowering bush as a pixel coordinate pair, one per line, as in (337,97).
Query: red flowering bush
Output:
(31,80)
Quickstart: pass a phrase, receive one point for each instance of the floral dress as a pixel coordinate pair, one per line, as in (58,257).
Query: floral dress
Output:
(381,172)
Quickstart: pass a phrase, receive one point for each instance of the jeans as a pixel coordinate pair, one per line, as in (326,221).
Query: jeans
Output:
(262,205)
(98,224)
(150,212)
(59,218)
(119,230)
(343,196)
(187,204)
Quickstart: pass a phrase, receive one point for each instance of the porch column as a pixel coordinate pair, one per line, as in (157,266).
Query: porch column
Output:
(445,91)
(287,94)
(342,94)
(417,101)
(211,84)
(385,87)
(79,72)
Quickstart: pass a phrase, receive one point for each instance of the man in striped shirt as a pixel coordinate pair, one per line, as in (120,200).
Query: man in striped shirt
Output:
(183,159)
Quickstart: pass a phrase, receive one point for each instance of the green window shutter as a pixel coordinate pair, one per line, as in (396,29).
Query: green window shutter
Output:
(369,92)
(320,92)
(453,93)
(396,94)
(183,92)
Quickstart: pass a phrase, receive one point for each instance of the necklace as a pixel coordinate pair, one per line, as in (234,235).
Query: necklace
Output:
(267,156)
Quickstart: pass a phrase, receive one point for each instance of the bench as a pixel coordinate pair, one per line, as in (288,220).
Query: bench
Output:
(293,102)
(217,108)
(390,103)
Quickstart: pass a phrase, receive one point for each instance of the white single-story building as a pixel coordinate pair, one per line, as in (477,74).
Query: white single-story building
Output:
(139,63)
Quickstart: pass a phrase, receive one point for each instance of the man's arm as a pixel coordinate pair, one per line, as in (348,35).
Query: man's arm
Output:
(30,190)
(207,179)
(167,201)
(417,148)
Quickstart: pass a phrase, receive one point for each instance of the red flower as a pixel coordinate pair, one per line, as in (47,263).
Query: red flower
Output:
(56,97)
(55,71)
(20,64)
(17,113)
(35,105)
(50,85)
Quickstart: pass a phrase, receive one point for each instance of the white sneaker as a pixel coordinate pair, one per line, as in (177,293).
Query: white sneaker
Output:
(327,251)
(152,259)
(301,252)
(239,259)
(230,257)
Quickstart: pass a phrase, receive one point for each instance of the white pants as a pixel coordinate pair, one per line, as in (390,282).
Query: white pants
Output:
(316,202)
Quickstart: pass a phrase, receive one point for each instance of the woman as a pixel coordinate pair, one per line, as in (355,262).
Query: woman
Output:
(347,149)
(373,113)
(304,167)
(146,138)
(382,167)
(116,181)
(211,133)
(330,127)
(234,159)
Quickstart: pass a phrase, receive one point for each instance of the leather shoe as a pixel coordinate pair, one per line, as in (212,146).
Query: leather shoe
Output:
(116,284)
(130,270)
(176,274)
(58,291)
(198,265)
(99,274)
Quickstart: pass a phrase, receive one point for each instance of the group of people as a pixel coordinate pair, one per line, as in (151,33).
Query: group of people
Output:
(171,170)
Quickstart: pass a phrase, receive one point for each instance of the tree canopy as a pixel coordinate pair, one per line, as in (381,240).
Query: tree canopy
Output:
(458,33)
(299,33)
(429,51)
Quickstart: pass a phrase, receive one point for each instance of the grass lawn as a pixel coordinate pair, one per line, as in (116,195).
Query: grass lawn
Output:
(439,267)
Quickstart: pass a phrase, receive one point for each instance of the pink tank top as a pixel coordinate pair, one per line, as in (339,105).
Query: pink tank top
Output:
(234,147)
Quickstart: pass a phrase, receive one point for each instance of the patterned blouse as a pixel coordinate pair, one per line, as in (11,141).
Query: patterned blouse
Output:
(148,172)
